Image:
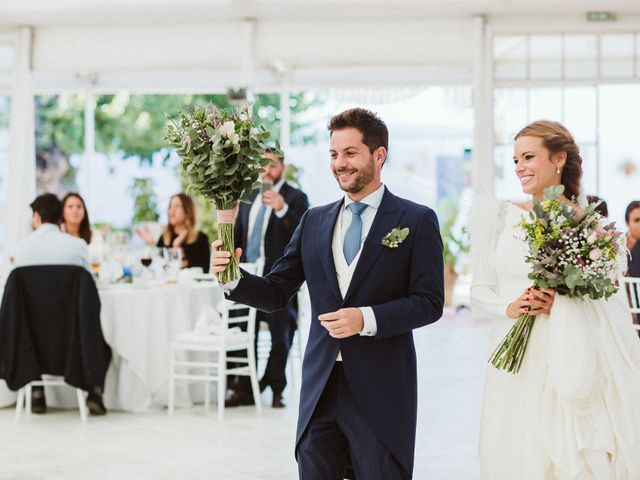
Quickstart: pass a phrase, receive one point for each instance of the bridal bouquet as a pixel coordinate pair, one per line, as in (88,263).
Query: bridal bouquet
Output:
(577,253)
(222,156)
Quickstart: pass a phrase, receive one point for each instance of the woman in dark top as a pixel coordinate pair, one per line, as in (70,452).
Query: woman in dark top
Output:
(181,232)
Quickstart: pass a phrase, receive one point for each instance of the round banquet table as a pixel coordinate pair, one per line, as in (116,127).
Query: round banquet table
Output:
(139,325)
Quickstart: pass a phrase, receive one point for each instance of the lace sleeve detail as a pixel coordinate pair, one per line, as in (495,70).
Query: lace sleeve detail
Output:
(486,225)
(487,220)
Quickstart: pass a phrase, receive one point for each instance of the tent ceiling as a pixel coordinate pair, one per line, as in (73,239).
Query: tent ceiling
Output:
(162,12)
(191,45)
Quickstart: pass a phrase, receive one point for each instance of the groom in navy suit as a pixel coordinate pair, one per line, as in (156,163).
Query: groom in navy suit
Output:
(358,400)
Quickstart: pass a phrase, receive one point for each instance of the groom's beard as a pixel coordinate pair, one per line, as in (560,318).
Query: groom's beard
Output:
(361,179)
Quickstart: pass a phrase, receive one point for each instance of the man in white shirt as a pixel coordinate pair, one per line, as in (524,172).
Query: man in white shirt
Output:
(263,230)
(47,245)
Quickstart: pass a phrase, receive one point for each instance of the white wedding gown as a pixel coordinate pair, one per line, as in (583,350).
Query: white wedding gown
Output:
(573,410)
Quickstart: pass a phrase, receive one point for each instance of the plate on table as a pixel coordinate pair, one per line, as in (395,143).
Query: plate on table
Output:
(205,277)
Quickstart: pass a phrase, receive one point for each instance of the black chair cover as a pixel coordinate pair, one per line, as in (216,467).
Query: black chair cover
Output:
(50,324)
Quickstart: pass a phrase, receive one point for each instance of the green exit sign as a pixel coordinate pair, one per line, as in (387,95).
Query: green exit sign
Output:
(601,16)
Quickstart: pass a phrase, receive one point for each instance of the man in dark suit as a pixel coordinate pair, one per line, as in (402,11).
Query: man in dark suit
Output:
(262,230)
(369,286)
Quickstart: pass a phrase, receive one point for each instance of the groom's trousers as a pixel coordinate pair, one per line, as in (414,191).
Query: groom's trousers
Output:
(338,435)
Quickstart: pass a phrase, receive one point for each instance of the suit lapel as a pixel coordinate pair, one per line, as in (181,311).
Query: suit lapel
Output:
(387,218)
(325,242)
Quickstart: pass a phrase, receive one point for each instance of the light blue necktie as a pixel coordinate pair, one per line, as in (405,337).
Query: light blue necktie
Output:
(353,237)
(255,240)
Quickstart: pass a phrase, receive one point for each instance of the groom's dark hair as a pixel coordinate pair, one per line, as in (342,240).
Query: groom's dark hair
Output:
(374,131)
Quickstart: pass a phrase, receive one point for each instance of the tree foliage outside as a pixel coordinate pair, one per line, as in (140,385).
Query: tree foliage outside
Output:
(132,126)
(145,201)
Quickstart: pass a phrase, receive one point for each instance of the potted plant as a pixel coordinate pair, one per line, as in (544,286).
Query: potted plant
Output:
(456,243)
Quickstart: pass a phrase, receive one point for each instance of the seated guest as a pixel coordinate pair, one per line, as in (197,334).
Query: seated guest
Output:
(181,232)
(47,245)
(75,218)
(602,208)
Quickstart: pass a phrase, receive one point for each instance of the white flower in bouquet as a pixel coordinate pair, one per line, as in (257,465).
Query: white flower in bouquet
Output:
(186,140)
(595,254)
(227,129)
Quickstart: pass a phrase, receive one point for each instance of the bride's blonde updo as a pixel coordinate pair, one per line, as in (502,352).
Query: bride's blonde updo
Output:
(556,138)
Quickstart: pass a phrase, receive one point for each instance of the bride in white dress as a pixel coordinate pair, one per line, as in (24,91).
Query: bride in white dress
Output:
(573,410)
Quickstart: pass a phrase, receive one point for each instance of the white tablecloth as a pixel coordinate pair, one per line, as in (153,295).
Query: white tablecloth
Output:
(7,397)
(139,325)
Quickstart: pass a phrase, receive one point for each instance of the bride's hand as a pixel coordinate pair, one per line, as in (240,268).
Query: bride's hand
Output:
(533,301)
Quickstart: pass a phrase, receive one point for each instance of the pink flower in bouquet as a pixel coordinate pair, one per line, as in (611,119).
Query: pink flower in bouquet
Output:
(595,254)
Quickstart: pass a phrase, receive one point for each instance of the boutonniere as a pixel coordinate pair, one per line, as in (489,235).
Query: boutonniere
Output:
(395,237)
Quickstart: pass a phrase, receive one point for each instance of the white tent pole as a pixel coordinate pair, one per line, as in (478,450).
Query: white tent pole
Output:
(89,140)
(21,169)
(247,66)
(285,113)
(483,168)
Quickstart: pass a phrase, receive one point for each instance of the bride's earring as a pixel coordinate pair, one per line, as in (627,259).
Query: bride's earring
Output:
(558,169)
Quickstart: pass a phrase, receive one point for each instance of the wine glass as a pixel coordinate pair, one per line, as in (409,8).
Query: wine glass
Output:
(146,259)
(173,258)
(96,262)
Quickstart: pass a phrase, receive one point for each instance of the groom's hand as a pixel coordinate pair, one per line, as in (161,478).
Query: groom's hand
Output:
(343,323)
(220,258)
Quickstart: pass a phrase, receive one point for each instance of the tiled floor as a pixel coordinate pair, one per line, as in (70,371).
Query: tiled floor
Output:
(248,445)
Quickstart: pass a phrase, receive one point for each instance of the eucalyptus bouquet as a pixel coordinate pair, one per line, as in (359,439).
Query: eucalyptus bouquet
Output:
(222,157)
(575,252)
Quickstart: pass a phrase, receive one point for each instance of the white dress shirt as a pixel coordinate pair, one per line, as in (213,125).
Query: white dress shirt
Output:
(253,214)
(344,271)
(47,245)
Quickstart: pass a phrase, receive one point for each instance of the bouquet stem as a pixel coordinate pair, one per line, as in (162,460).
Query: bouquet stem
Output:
(225,233)
(510,353)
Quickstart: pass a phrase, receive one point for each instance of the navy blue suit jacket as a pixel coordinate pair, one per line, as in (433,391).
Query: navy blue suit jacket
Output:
(403,285)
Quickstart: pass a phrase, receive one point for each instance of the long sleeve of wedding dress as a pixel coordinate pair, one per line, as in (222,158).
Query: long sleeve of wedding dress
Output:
(487,221)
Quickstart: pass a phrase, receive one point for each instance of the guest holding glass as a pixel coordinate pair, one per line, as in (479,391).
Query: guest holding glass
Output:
(181,232)
(75,218)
